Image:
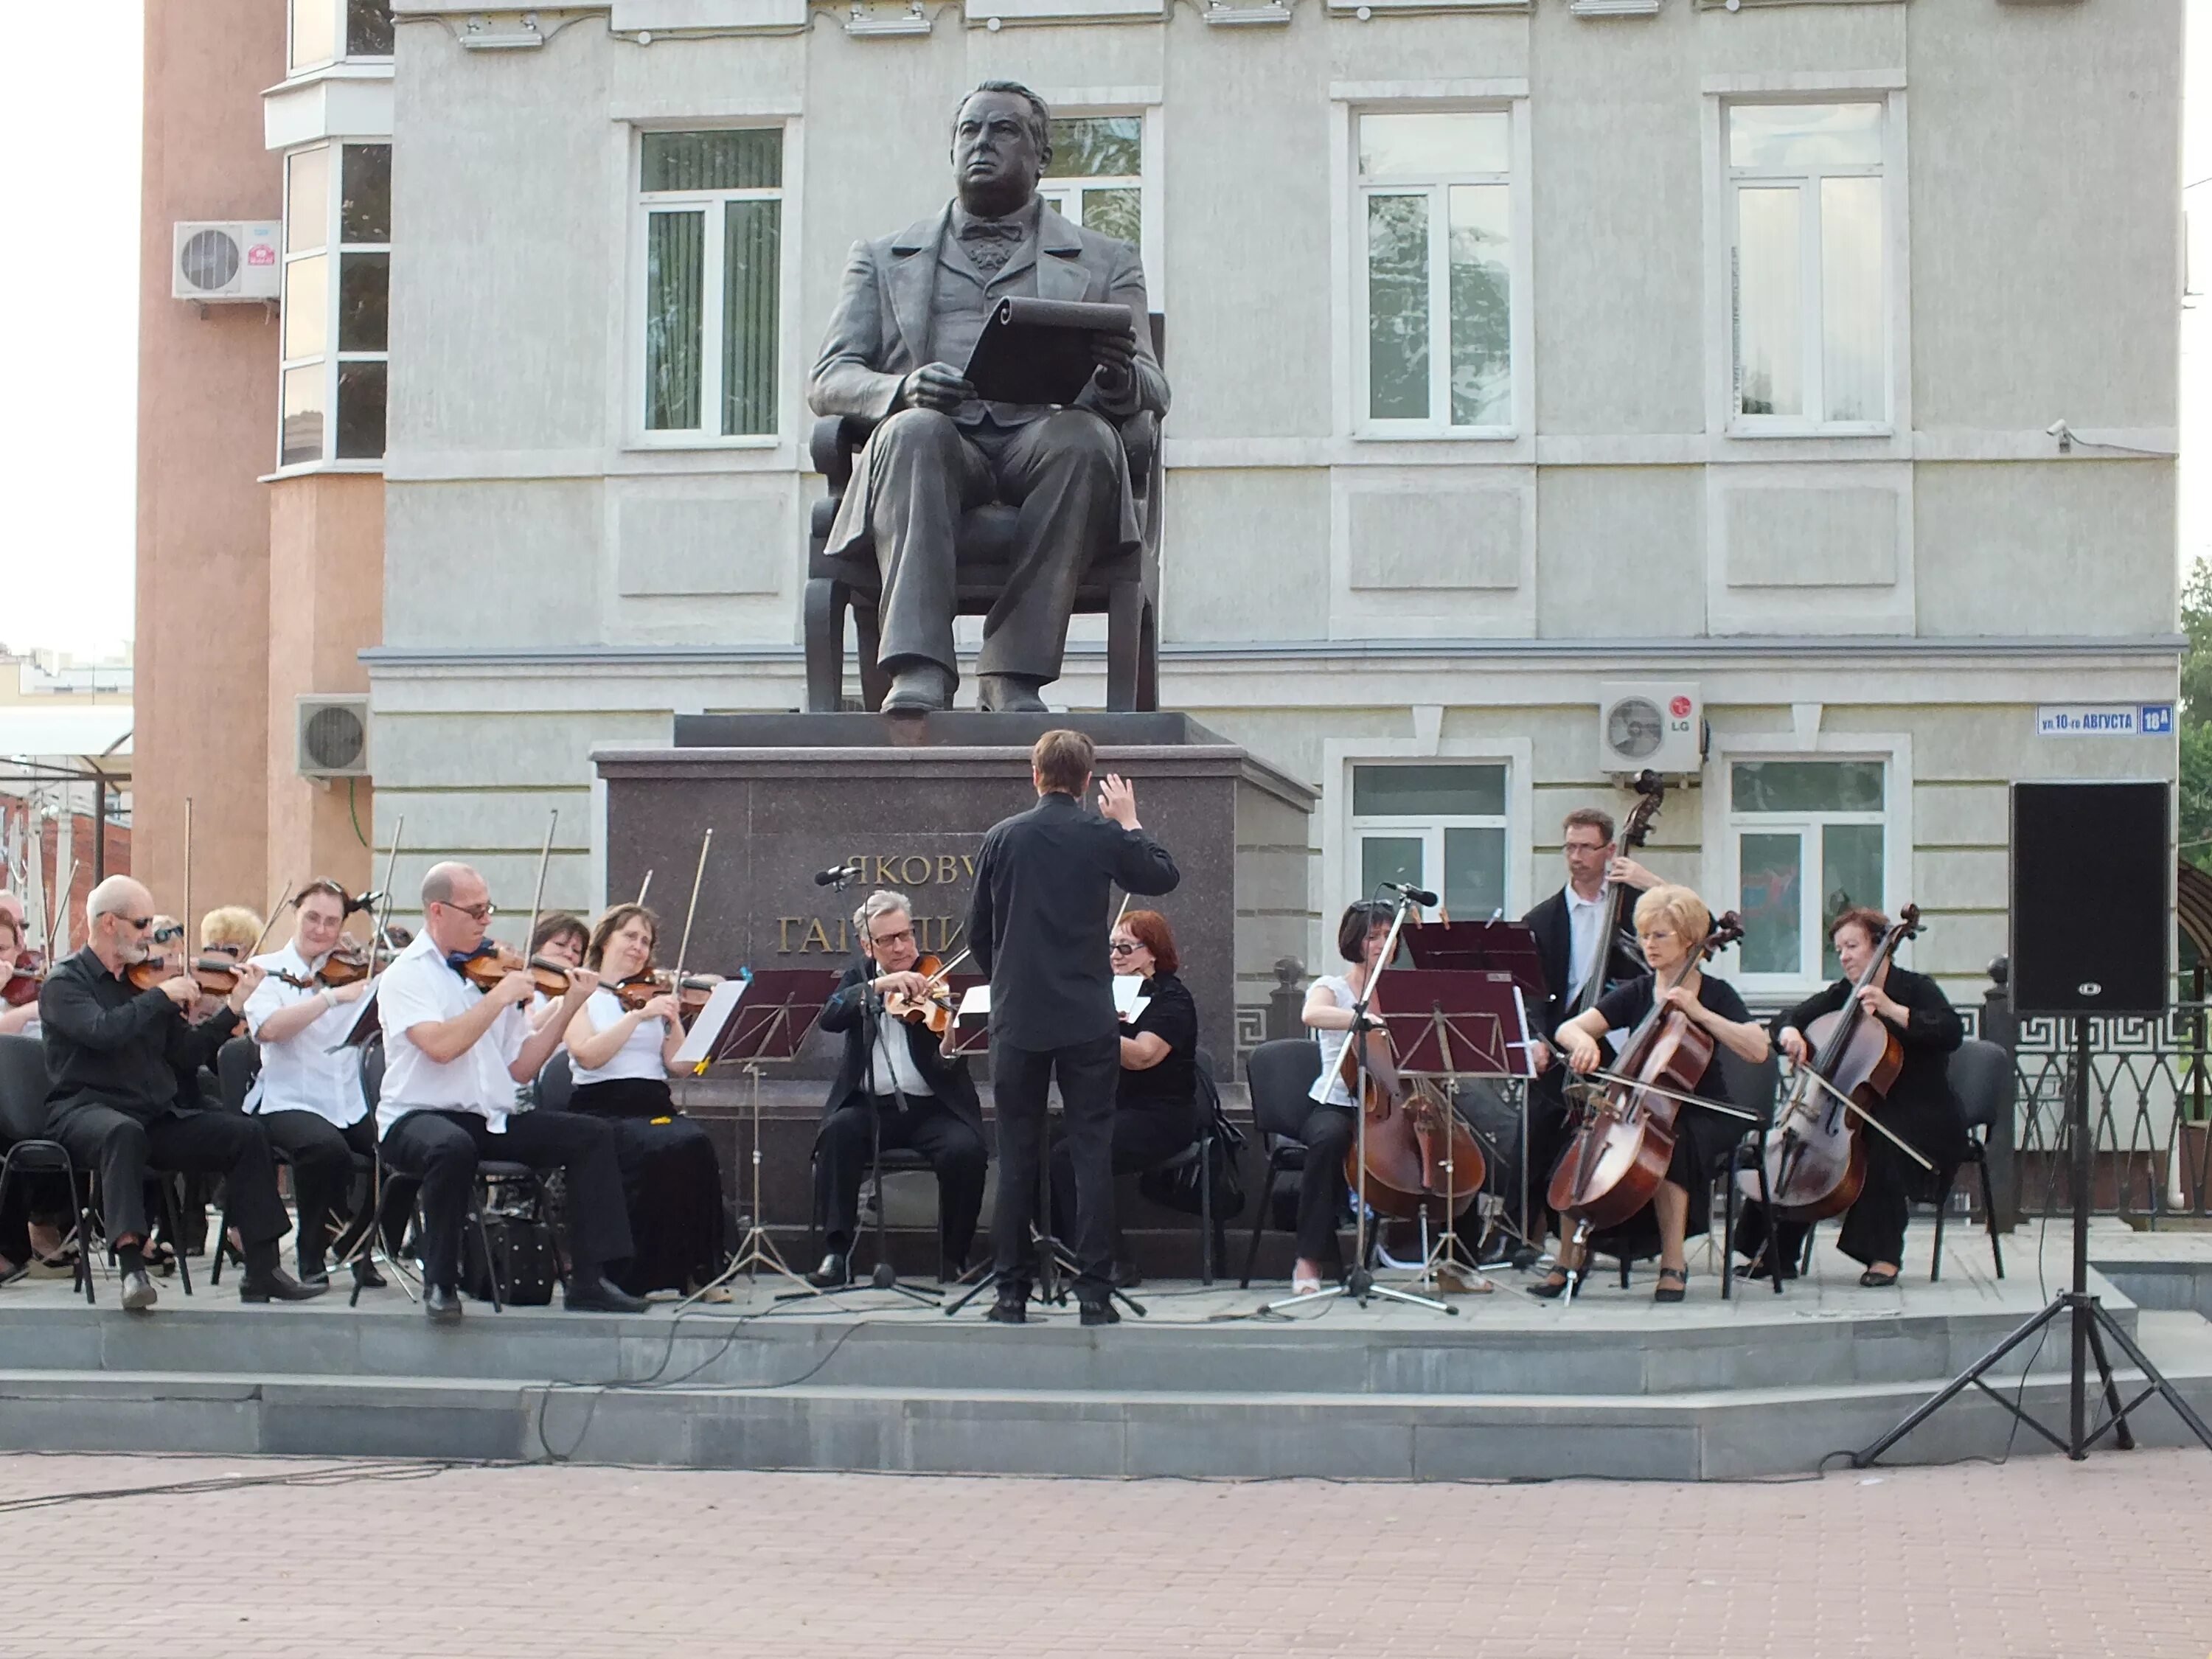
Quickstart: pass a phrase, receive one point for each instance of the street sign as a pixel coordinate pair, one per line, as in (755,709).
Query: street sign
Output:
(2104,720)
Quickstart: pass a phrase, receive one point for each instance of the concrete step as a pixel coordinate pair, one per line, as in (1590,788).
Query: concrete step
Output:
(1700,1433)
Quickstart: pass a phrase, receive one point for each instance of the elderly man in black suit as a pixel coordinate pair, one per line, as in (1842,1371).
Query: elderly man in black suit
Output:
(912,308)
(1039,924)
(920,1096)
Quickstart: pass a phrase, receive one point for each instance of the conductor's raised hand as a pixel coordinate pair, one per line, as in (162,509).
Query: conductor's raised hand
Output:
(1117,801)
(935,386)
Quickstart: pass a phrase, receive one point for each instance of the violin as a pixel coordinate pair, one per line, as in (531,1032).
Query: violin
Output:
(1620,1154)
(493,963)
(1421,1158)
(26,974)
(1815,1162)
(690,994)
(346,965)
(932,1010)
(216,975)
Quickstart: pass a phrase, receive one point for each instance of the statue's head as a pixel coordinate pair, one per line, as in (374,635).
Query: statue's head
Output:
(1001,140)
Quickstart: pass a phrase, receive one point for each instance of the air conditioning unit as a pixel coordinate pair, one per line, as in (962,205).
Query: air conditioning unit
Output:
(217,262)
(1653,726)
(332,734)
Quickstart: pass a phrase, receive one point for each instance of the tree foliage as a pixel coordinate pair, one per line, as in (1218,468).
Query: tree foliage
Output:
(2196,717)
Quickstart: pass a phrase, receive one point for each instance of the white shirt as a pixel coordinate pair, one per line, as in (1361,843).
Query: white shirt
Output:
(419,988)
(1329,1087)
(311,1071)
(1585,939)
(894,1059)
(639,1054)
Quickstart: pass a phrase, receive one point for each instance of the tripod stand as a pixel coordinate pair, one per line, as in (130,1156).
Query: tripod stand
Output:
(1359,1282)
(2088,1321)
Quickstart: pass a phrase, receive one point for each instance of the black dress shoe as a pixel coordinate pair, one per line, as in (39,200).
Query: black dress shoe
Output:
(138,1291)
(834,1273)
(277,1285)
(366,1276)
(1010,1311)
(314,1269)
(443,1306)
(600,1296)
(1099,1312)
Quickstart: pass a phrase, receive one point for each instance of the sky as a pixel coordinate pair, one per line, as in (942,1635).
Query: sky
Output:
(68,169)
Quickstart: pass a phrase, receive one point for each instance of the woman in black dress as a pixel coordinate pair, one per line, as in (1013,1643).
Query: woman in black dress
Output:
(1155,1110)
(1673,925)
(1919,1106)
(619,1058)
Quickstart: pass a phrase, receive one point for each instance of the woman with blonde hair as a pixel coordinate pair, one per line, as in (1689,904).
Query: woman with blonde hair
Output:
(1672,924)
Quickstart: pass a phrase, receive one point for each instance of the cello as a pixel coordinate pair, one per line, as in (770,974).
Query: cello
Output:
(1815,1162)
(1420,1159)
(1620,1152)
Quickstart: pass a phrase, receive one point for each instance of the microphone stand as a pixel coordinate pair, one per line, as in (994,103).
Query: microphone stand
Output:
(1359,1279)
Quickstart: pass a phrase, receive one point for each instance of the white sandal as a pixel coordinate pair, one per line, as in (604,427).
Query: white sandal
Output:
(1305,1287)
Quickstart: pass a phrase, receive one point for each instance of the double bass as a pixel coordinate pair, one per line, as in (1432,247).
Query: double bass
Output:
(1815,1162)
(1420,1159)
(1619,898)
(1621,1150)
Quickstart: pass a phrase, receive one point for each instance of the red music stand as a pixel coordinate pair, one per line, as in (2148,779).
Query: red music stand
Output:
(1492,947)
(772,1018)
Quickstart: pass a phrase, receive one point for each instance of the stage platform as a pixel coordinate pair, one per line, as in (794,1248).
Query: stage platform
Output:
(1509,1387)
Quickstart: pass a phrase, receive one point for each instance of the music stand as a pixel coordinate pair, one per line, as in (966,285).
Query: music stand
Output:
(770,1018)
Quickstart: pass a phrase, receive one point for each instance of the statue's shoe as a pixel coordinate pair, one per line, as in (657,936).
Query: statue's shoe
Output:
(1009,694)
(919,690)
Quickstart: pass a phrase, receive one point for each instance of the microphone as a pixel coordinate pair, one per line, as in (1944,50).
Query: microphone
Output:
(839,876)
(1419,894)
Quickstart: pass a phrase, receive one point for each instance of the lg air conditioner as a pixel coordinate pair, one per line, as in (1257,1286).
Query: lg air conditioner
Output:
(1653,726)
(333,736)
(223,261)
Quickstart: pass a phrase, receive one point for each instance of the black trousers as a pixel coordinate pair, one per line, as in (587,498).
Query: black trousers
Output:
(1323,1190)
(121,1148)
(1872,1229)
(1088,1073)
(1140,1140)
(928,1125)
(442,1148)
(322,1170)
(671,1184)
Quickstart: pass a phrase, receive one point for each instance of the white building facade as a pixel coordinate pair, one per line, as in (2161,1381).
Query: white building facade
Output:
(1814,362)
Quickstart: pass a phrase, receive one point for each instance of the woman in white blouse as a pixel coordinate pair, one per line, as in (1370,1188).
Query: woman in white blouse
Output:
(620,1058)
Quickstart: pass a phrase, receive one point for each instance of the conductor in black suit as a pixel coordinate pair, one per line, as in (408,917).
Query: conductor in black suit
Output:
(1569,928)
(1039,925)
(922,1097)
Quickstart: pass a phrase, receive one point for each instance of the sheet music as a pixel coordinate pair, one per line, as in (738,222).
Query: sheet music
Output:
(1129,998)
(722,1003)
(1527,1046)
(974,1005)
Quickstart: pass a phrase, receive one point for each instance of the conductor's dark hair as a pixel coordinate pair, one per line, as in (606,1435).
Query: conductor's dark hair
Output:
(1359,920)
(1040,122)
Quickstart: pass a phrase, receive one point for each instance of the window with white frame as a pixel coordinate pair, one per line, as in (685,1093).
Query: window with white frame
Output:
(324,31)
(1437,825)
(1096,176)
(1433,226)
(1811,838)
(337,285)
(1810,317)
(713,223)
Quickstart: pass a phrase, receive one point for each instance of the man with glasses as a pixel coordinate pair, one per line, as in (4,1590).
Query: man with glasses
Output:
(922,1097)
(454,1057)
(114,1054)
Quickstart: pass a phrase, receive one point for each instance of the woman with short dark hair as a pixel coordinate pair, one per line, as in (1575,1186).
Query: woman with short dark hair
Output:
(1155,1107)
(1331,1126)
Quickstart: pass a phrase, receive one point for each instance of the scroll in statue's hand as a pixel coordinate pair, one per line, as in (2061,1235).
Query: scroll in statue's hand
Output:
(935,386)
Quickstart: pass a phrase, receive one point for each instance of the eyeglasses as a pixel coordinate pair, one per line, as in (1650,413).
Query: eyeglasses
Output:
(162,935)
(483,912)
(140,924)
(890,939)
(1122,947)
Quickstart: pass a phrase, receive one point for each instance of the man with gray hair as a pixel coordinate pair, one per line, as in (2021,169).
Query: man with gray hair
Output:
(114,1055)
(897,1075)
(911,309)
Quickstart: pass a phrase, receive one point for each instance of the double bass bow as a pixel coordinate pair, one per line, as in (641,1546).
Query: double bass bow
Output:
(1620,1152)
(1815,1165)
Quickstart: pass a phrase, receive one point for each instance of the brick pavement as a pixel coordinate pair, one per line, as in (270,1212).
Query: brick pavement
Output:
(2036,1558)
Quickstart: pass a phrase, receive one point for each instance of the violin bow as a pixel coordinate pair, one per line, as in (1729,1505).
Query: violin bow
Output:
(643,888)
(186,918)
(537,897)
(377,924)
(684,947)
(276,911)
(52,914)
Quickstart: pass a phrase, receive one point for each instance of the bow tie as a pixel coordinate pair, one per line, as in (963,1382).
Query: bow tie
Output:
(1008,231)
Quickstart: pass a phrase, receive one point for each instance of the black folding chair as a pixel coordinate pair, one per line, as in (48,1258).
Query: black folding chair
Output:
(30,1152)
(1279,1075)
(1983,1078)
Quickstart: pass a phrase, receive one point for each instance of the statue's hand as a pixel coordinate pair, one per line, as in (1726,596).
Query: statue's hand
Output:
(935,386)
(1114,356)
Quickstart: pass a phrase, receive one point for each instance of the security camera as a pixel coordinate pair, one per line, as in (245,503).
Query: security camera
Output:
(2057,429)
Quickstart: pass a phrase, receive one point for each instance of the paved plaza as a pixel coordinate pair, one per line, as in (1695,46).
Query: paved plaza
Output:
(279,1557)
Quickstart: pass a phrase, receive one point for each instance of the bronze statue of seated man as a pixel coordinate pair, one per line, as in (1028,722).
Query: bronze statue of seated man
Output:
(911,310)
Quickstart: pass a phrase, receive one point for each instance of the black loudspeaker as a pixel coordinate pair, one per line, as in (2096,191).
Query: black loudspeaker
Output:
(2092,912)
